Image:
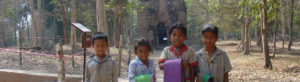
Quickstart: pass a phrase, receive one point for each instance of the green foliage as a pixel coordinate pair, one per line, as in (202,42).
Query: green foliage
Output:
(228,15)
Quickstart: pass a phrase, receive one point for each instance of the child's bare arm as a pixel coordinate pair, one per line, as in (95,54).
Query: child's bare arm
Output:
(226,77)
(227,67)
(192,74)
(162,59)
(185,64)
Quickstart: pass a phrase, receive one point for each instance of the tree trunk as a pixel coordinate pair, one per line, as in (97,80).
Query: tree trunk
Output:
(66,39)
(225,35)
(120,55)
(131,38)
(261,28)
(264,32)
(274,39)
(39,41)
(20,46)
(222,18)
(282,22)
(243,37)
(291,25)
(33,25)
(101,17)
(118,21)
(60,64)
(249,35)
(1,43)
(73,39)
(246,32)
(257,34)
(275,31)
(4,42)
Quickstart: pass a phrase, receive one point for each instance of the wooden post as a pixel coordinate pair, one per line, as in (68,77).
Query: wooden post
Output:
(84,63)
(120,54)
(20,46)
(60,63)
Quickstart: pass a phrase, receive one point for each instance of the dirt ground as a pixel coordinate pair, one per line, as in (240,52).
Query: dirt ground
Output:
(286,64)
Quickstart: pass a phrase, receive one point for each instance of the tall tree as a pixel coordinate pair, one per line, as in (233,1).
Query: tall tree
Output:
(39,23)
(276,27)
(282,21)
(246,32)
(101,17)
(33,24)
(243,36)
(66,39)
(118,20)
(73,39)
(257,34)
(291,24)
(261,28)
(264,33)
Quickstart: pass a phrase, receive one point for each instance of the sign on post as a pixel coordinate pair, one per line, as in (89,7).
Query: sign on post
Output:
(86,42)
(86,39)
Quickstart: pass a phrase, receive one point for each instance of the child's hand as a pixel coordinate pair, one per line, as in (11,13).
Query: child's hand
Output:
(204,77)
(199,78)
(185,64)
(161,66)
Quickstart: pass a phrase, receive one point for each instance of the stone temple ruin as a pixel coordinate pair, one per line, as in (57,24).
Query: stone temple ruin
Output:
(157,16)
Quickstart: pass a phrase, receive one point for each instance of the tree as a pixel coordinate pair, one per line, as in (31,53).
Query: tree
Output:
(73,39)
(36,24)
(282,21)
(118,21)
(291,25)
(276,27)
(245,16)
(33,25)
(39,22)
(264,13)
(66,39)
(257,34)
(101,17)
(246,32)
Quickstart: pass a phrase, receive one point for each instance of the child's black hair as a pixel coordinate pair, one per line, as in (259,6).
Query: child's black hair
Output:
(210,28)
(179,26)
(141,42)
(98,36)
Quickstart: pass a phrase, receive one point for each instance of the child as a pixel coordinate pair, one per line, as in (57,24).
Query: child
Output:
(141,65)
(101,67)
(212,60)
(178,50)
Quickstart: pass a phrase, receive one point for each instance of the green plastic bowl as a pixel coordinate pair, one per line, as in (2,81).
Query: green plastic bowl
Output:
(207,78)
(143,78)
